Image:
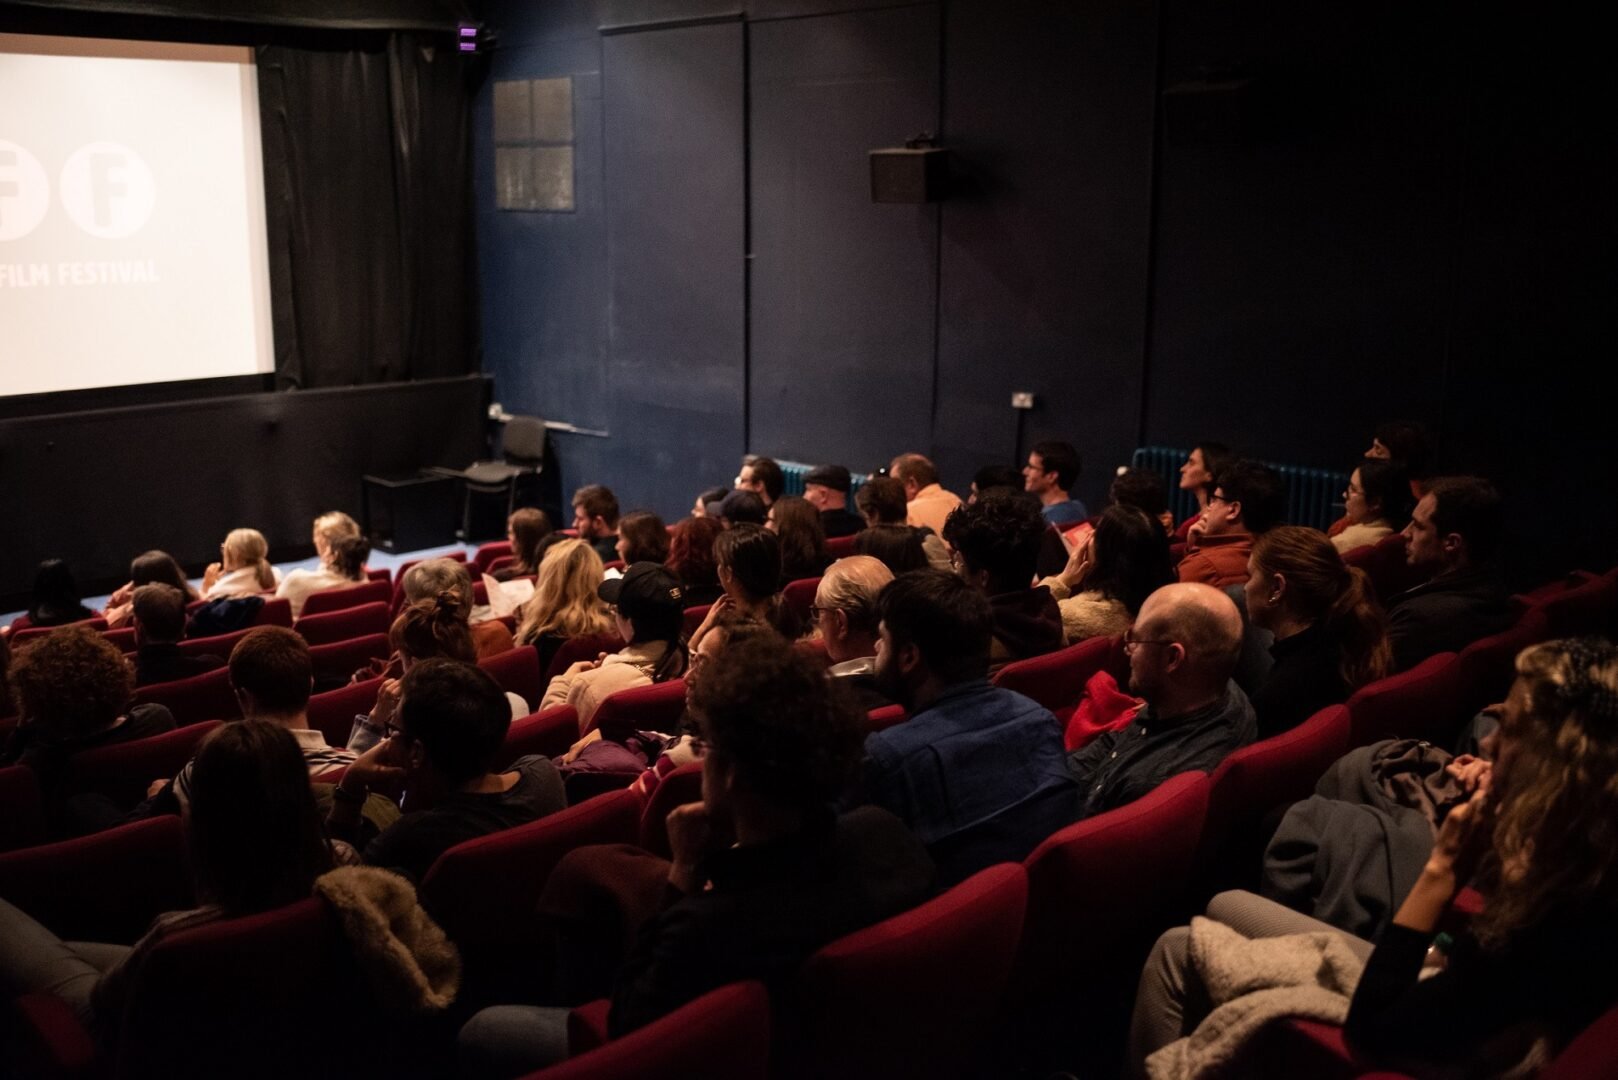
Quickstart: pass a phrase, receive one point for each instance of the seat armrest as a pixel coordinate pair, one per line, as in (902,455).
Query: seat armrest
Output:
(587,1026)
(49,1040)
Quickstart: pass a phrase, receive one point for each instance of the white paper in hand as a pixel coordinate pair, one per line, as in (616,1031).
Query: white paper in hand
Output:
(505,597)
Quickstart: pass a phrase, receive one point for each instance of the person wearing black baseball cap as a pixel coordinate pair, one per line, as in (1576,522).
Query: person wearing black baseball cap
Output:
(826,488)
(648,604)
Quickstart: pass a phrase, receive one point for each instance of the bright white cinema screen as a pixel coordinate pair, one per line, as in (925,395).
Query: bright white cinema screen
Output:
(131,215)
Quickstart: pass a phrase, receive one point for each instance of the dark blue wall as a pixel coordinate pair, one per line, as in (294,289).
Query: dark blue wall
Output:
(1271,224)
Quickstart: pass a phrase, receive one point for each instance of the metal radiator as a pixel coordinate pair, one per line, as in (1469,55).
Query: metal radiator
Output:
(1314,496)
(795,471)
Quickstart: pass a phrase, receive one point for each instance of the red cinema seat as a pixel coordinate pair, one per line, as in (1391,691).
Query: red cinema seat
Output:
(581,786)
(694,617)
(108,886)
(342,625)
(1126,870)
(334,663)
(517,672)
(372,592)
(840,547)
(1385,564)
(379,573)
(484,558)
(33,633)
(914,995)
(483,892)
(22,811)
(123,638)
(588,647)
(550,733)
(123,771)
(202,697)
(722,1035)
(332,713)
(1056,680)
(219,645)
(642,708)
(190,1013)
(502,563)
(683,785)
(800,597)
(1592,608)
(1416,704)
(275,611)
(1487,667)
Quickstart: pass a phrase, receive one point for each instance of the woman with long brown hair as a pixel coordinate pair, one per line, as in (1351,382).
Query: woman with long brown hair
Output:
(1330,636)
(529,532)
(796,522)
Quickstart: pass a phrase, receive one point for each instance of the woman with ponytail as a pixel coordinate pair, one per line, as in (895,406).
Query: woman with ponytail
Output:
(436,627)
(342,552)
(244,568)
(1330,635)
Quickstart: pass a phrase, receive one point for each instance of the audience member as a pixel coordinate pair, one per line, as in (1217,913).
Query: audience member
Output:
(1182,651)
(72,690)
(244,568)
(150,568)
(434,577)
(442,749)
(255,843)
(565,603)
(1330,635)
(1407,443)
(782,746)
(1003,478)
(642,537)
(845,613)
(159,626)
(741,507)
(55,600)
(1455,536)
(703,507)
(977,771)
(691,559)
(1111,573)
(649,609)
(1376,504)
(342,552)
(899,547)
(529,533)
(271,673)
(1206,461)
(595,519)
(1052,470)
(1143,489)
(1524,976)
(763,477)
(431,629)
(927,503)
(796,523)
(1247,500)
(749,562)
(996,543)
(826,488)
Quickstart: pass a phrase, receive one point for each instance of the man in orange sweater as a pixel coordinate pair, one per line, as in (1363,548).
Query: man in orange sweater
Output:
(1248,499)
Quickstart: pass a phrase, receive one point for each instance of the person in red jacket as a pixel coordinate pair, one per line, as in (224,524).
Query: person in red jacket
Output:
(1248,499)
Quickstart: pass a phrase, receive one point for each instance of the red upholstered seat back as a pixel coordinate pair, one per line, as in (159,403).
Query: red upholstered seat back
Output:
(123,771)
(588,647)
(332,713)
(1277,770)
(550,733)
(517,672)
(1592,608)
(218,645)
(202,697)
(694,617)
(342,625)
(336,662)
(105,887)
(484,558)
(1056,680)
(275,611)
(642,708)
(800,596)
(22,817)
(1487,667)
(722,1035)
(935,973)
(840,547)
(1385,564)
(683,785)
(1415,704)
(371,592)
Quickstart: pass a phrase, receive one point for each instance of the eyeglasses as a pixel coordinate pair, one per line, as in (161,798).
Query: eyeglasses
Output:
(1216,497)
(1131,641)
(815,612)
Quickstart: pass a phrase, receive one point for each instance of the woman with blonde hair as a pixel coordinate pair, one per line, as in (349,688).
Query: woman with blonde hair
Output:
(244,568)
(1331,637)
(565,603)
(342,552)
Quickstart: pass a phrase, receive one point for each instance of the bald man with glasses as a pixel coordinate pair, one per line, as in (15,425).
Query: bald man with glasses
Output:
(1182,651)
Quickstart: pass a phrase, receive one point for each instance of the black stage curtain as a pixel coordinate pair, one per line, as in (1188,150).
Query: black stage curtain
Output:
(368,201)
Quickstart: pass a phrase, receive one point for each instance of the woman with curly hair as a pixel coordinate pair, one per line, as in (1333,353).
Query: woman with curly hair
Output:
(691,559)
(803,538)
(73,688)
(564,604)
(1536,836)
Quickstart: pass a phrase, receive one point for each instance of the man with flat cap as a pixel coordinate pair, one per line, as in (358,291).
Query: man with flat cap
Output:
(826,489)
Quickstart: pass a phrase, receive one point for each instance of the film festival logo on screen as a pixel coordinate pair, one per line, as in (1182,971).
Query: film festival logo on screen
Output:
(106,189)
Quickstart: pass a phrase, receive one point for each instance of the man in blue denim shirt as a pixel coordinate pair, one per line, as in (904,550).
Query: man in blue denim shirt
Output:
(978,772)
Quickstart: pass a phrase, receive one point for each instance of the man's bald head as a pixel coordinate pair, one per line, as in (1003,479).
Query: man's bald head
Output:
(1201,619)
